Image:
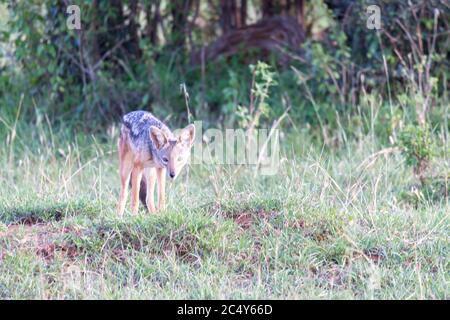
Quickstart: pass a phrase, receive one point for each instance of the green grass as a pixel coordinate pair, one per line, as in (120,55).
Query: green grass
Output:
(330,225)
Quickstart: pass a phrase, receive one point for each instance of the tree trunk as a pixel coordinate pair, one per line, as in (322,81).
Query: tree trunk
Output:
(133,44)
(242,14)
(227,15)
(279,34)
(232,15)
(268,8)
(152,16)
(300,11)
(94,36)
(179,11)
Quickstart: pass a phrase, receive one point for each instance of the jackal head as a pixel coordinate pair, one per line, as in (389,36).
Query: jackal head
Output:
(173,154)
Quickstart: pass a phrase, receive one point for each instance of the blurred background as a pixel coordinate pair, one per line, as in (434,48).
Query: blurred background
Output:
(318,58)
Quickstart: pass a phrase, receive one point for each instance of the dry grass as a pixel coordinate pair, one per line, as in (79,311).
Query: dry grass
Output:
(330,224)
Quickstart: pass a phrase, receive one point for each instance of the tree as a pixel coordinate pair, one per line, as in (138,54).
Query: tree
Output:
(233,14)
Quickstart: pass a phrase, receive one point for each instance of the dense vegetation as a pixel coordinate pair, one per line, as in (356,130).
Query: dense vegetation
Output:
(359,207)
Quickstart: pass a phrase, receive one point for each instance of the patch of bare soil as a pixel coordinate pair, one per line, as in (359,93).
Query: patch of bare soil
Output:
(321,231)
(332,275)
(297,224)
(41,238)
(49,250)
(244,220)
(184,248)
(248,217)
(375,254)
(183,244)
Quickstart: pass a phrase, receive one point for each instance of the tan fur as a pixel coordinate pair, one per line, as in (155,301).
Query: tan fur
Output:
(138,165)
(136,176)
(161,174)
(151,182)
(125,167)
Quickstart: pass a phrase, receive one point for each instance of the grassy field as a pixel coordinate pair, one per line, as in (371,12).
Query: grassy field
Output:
(330,224)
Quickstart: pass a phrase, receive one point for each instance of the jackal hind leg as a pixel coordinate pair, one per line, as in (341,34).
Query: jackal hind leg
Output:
(125,168)
(161,173)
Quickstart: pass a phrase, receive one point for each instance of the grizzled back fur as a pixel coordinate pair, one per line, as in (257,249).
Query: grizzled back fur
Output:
(139,123)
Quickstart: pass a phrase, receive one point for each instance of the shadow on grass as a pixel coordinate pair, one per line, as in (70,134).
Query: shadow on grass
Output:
(39,213)
(245,212)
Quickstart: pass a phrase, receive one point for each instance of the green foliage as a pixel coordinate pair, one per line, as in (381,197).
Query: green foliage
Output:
(322,78)
(263,79)
(417,146)
(102,71)
(419,149)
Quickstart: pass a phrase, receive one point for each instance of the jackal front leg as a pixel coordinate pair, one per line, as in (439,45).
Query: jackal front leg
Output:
(161,173)
(136,176)
(150,176)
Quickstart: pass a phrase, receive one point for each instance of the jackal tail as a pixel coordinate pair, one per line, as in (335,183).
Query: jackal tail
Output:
(142,191)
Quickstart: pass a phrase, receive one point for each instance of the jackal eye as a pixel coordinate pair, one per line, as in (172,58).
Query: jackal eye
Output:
(165,159)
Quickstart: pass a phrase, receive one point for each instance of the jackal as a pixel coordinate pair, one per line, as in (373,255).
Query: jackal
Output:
(147,150)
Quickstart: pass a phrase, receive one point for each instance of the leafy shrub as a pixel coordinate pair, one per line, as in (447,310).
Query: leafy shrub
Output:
(417,146)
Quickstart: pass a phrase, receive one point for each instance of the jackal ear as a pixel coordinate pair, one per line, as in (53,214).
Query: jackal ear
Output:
(187,135)
(158,137)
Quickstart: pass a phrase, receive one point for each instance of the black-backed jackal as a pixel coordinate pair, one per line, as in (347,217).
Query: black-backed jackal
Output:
(147,150)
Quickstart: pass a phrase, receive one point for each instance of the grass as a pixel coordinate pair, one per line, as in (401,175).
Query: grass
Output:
(330,225)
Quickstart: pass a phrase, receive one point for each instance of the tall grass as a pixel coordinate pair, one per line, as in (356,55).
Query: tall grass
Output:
(331,224)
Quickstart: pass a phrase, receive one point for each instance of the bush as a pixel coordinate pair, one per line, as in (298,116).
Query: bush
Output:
(417,146)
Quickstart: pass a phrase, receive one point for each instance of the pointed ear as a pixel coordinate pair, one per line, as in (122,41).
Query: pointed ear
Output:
(158,137)
(187,135)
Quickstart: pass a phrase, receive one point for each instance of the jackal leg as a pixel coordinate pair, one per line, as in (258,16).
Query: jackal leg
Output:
(136,176)
(125,167)
(150,177)
(161,173)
